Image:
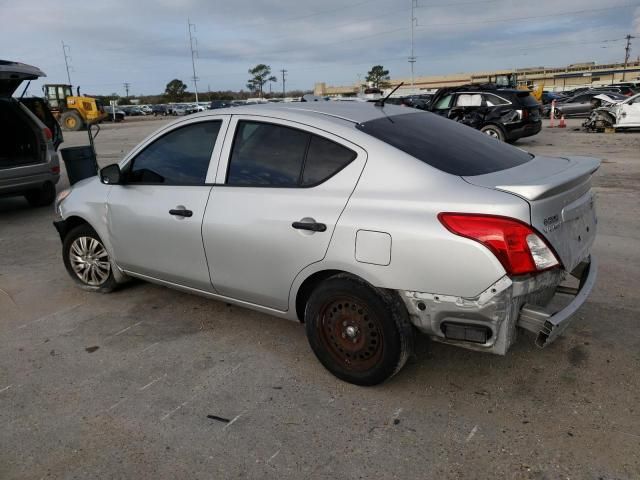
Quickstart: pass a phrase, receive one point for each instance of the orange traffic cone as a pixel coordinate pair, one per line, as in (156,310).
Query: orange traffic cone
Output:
(562,123)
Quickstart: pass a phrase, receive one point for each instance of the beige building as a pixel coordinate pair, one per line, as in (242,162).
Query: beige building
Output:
(551,78)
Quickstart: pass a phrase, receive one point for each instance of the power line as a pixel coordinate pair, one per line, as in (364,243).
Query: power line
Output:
(65,50)
(627,52)
(194,53)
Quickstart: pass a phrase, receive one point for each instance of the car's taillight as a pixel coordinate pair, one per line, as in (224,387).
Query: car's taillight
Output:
(55,169)
(47,133)
(518,246)
(525,114)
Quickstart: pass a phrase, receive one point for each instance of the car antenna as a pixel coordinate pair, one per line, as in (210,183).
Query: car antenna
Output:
(380,103)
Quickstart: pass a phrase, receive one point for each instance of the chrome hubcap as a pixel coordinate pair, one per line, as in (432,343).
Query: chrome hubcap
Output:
(90,261)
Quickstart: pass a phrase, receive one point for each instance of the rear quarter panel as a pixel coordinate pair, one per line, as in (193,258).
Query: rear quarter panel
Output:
(402,196)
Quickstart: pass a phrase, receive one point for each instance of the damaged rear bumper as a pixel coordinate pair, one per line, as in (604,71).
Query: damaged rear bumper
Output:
(548,325)
(489,321)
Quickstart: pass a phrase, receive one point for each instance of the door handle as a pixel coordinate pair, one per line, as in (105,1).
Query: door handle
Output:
(181,212)
(312,226)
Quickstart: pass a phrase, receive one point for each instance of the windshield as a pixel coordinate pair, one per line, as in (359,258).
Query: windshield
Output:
(444,144)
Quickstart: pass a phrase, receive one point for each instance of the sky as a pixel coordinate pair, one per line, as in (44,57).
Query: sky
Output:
(146,42)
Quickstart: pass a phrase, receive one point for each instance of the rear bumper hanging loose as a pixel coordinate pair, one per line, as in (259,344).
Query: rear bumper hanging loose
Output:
(549,325)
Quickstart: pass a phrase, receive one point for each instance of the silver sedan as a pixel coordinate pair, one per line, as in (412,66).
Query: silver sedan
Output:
(365,222)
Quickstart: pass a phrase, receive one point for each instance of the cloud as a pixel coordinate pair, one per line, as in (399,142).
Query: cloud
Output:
(636,21)
(145,42)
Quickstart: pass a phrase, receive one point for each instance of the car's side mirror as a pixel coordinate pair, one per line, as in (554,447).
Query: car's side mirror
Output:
(111,175)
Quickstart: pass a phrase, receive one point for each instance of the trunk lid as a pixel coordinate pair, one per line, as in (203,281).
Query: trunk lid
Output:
(12,74)
(561,202)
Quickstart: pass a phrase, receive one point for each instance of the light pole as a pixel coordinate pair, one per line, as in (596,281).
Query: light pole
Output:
(194,52)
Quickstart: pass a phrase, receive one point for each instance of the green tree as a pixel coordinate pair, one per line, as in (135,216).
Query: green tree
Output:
(260,74)
(175,90)
(378,76)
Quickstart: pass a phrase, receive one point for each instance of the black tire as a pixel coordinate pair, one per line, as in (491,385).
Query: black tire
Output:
(42,196)
(494,131)
(71,121)
(98,282)
(359,333)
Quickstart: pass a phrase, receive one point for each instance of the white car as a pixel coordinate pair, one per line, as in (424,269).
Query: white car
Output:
(617,115)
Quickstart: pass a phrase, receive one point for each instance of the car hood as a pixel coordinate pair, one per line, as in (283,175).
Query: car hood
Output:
(606,98)
(12,74)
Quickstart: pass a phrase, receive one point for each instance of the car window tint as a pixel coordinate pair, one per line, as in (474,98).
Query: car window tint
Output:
(267,154)
(493,100)
(448,146)
(324,159)
(180,157)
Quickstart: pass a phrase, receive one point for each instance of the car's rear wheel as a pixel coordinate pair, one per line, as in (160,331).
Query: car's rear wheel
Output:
(71,121)
(43,196)
(494,132)
(360,334)
(87,260)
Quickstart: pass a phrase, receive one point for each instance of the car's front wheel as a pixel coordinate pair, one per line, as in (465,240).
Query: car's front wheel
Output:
(87,260)
(360,334)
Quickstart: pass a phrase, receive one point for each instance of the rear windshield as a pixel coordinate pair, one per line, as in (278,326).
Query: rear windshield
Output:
(528,100)
(445,144)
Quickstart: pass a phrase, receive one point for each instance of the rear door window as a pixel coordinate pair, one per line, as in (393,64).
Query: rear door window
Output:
(270,155)
(267,154)
(448,146)
(469,100)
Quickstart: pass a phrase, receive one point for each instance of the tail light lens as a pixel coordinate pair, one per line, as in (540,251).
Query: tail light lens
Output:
(517,246)
(47,133)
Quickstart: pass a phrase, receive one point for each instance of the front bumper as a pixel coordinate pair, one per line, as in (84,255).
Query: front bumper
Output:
(548,325)
(529,303)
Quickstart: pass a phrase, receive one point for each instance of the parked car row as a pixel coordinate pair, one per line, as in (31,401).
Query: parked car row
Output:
(581,104)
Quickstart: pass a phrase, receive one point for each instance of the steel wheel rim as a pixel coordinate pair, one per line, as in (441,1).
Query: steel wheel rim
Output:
(71,122)
(350,333)
(89,261)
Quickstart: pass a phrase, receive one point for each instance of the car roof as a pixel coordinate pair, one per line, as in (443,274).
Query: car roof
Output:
(354,112)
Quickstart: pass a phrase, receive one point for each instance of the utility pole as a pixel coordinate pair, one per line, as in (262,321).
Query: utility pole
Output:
(67,57)
(627,52)
(414,23)
(194,53)
(283,82)
(126,88)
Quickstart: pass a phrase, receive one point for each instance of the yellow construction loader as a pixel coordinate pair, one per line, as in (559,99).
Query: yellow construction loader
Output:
(74,112)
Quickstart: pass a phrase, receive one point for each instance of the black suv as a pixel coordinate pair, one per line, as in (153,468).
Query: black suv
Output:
(506,114)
